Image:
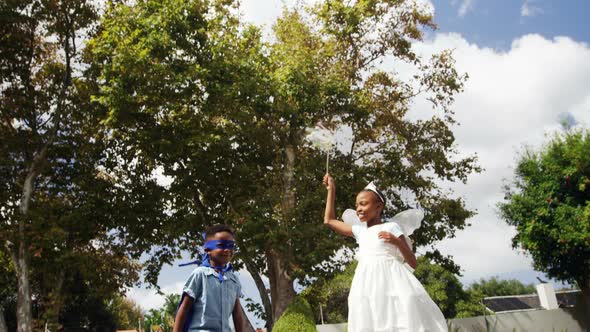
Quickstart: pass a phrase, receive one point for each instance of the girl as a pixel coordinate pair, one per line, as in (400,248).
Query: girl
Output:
(384,295)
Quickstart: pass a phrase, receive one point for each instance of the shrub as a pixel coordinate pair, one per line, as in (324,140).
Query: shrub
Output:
(332,295)
(296,318)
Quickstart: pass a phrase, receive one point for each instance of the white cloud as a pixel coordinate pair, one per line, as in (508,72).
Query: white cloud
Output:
(150,299)
(512,99)
(530,10)
(261,12)
(464,7)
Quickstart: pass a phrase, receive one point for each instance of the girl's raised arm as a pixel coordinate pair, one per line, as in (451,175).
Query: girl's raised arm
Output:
(330,214)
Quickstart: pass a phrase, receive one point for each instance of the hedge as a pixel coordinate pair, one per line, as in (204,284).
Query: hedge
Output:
(298,317)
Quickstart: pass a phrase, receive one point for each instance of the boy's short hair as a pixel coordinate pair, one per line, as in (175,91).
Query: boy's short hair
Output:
(212,230)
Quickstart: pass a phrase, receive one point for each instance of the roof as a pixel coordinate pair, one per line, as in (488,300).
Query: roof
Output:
(528,302)
(567,298)
(512,302)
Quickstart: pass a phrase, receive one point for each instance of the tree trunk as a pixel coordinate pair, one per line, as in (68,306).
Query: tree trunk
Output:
(20,255)
(3,327)
(24,317)
(266,303)
(56,301)
(281,285)
(246,326)
(585,288)
(261,288)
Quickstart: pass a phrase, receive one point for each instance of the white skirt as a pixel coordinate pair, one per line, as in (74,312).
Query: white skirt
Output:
(385,296)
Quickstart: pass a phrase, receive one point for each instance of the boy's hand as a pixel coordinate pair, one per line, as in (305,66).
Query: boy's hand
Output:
(329,182)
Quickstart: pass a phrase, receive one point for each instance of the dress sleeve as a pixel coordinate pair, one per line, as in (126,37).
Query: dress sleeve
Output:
(356,231)
(194,285)
(394,229)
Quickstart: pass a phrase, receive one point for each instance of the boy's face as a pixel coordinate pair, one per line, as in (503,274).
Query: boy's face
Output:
(220,257)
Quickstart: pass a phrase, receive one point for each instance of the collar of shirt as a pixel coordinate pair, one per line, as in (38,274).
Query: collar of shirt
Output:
(228,274)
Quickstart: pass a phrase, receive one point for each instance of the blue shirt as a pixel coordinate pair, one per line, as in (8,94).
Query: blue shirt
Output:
(213,300)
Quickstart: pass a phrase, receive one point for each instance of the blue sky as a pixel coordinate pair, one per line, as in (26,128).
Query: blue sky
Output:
(495,23)
(528,63)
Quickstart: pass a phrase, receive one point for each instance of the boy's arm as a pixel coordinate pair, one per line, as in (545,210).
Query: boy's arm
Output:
(182,313)
(238,317)
(330,214)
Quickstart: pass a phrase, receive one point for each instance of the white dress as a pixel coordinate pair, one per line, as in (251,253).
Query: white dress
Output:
(385,295)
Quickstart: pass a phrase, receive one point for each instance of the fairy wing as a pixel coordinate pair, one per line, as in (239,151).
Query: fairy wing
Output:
(409,220)
(349,217)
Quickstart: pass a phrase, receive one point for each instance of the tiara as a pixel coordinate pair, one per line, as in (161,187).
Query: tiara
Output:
(371,186)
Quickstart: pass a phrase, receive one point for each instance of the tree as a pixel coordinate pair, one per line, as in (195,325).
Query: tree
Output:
(470,305)
(331,296)
(441,285)
(472,302)
(164,317)
(197,94)
(63,217)
(549,204)
(38,91)
(497,287)
(8,290)
(127,313)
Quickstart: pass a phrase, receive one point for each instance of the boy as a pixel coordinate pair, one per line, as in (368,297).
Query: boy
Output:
(211,293)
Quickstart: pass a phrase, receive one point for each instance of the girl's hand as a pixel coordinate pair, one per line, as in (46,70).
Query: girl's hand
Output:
(329,182)
(388,237)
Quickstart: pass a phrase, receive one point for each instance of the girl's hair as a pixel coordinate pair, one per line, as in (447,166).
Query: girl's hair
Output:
(378,196)
(212,230)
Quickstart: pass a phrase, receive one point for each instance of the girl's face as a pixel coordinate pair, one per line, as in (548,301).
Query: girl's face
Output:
(368,206)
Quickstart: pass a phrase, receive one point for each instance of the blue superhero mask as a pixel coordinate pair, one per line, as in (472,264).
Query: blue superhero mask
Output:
(219,244)
(213,245)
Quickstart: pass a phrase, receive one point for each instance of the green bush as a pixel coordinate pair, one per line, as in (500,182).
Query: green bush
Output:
(296,318)
(332,295)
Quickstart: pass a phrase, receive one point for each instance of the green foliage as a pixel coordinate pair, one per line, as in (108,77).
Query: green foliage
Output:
(470,305)
(497,287)
(296,318)
(127,313)
(80,223)
(442,285)
(8,291)
(549,204)
(8,286)
(445,289)
(171,304)
(194,93)
(332,296)
(164,317)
